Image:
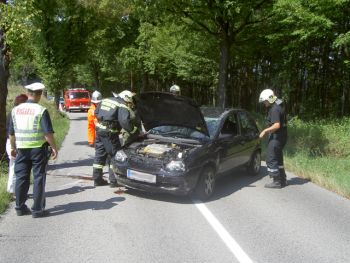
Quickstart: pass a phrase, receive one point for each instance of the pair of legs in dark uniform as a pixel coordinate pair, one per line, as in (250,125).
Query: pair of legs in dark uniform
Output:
(106,145)
(275,164)
(26,160)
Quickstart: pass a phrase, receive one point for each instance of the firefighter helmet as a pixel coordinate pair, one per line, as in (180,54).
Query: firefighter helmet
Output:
(96,97)
(267,95)
(127,95)
(175,89)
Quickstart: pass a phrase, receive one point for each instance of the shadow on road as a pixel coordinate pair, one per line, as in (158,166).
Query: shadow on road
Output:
(226,185)
(69,191)
(297,181)
(159,196)
(234,181)
(87,205)
(82,143)
(74,163)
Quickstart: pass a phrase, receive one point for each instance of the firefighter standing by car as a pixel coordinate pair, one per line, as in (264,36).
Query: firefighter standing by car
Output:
(277,138)
(31,133)
(96,98)
(113,115)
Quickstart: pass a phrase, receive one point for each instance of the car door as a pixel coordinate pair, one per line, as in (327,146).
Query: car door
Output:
(230,141)
(250,135)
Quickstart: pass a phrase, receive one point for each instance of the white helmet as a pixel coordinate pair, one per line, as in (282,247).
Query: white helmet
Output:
(127,95)
(96,97)
(268,95)
(175,89)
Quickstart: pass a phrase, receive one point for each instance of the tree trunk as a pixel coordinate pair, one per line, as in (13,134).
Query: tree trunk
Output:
(145,82)
(224,59)
(4,75)
(132,81)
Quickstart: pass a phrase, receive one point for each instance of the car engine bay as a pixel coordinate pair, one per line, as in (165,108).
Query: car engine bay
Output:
(154,149)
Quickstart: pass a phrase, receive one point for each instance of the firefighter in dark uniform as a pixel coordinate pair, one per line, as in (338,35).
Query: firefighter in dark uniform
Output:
(113,115)
(277,138)
(31,133)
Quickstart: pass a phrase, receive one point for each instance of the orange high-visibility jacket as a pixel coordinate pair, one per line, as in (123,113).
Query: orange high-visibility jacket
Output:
(91,124)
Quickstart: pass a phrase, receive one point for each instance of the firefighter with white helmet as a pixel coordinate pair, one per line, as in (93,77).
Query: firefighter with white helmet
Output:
(113,115)
(277,137)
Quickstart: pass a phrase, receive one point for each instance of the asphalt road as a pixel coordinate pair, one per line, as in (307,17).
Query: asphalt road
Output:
(244,222)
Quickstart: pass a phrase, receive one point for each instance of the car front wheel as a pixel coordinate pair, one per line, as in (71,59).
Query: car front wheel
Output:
(206,184)
(255,163)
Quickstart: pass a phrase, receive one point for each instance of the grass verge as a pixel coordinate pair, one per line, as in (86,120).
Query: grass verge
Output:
(60,124)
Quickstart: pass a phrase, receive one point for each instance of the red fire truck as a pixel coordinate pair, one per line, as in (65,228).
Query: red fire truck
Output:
(77,99)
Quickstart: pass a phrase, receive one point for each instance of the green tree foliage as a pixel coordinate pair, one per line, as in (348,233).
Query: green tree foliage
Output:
(233,48)
(312,38)
(112,28)
(14,32)
(59,41)
(223,20)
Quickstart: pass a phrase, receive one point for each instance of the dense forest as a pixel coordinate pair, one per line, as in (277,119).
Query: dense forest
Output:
(220,52)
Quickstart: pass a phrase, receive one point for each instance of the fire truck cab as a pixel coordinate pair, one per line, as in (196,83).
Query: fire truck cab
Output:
(77,99)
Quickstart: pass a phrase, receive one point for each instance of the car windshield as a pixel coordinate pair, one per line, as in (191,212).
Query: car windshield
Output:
(184,132)
(79,95)
(212,125)
(173,131)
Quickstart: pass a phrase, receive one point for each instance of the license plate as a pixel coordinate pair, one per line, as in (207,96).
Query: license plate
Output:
(140,176)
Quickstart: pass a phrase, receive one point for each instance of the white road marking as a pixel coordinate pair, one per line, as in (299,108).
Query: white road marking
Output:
(225,236)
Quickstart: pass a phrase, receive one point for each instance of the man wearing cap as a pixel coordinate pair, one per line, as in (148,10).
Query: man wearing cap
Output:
(31,133)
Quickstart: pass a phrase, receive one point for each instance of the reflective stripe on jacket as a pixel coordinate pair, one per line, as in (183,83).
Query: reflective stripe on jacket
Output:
(26,123)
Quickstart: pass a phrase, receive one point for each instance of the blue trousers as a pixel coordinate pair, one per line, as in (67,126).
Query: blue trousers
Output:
(27,160)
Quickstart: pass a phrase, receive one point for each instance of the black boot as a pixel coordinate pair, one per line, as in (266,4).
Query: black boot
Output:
(283,178)
(100,182)
(276,183)
(113,184)
(97,175)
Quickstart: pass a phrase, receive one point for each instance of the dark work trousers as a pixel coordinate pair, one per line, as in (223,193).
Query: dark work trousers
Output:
(274,159)
(26,160)
(106,145)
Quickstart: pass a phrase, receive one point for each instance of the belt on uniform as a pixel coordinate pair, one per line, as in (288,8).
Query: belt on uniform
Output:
(106,127)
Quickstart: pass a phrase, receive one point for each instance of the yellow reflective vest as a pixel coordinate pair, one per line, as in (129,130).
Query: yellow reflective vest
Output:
(26,123)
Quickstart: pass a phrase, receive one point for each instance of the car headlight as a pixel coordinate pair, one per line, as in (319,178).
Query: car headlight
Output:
(176,166)
(120,156)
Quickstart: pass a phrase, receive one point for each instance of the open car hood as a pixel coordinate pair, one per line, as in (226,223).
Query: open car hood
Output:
(161,108)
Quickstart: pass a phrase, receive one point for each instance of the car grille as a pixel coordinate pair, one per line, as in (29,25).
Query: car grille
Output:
(145,164)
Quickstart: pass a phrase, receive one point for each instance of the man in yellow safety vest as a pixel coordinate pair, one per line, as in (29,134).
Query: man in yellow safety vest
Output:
(31,134)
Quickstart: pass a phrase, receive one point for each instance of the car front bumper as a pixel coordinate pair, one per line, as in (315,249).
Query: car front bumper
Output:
(176,184)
